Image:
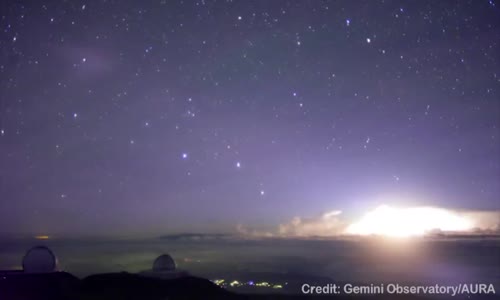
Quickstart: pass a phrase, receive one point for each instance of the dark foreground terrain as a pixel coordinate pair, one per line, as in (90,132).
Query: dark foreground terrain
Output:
(62,285)
(93,268)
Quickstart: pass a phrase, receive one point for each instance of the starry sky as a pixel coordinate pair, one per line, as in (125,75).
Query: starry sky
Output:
(177,116)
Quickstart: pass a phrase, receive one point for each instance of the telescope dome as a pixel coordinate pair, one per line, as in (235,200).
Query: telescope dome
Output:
(164,263)
(39,259)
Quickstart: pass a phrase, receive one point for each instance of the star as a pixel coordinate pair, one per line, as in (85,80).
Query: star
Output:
(184,155)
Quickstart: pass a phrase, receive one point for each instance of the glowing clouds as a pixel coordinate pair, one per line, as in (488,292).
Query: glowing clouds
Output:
(387,221)
(413,221)
(327,225)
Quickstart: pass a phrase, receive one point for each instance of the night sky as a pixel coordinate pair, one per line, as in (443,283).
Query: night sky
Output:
(175,116)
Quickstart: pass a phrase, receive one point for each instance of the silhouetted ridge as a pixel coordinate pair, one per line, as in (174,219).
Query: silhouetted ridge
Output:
(131,286)
(53,286)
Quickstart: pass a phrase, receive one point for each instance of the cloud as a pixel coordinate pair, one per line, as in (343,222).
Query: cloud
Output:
(246,232)
(485,221)
(386,220)
(328,224)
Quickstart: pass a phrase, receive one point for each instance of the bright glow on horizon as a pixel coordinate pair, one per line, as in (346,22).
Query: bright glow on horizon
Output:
(404,222)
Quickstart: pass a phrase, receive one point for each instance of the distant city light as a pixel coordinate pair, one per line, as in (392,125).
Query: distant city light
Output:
(264,284)
(234,283)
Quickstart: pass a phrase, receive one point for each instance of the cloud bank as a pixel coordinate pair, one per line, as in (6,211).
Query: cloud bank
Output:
(387,221)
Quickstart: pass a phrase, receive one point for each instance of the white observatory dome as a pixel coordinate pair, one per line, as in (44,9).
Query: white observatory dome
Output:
(39,260)
(164,263)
